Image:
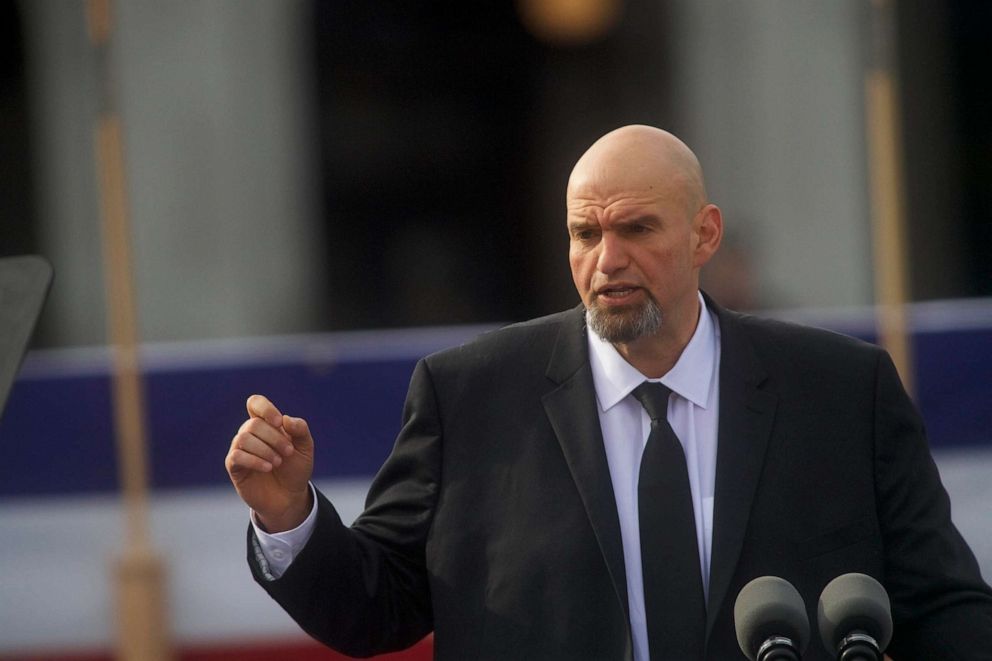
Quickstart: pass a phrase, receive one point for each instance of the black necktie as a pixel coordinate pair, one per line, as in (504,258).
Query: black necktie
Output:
(673,587)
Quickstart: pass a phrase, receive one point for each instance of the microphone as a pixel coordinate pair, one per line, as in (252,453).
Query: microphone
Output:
(854,618)
(770,619)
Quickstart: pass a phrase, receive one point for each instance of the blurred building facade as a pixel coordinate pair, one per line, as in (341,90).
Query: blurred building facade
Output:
(216,103)
(298,166)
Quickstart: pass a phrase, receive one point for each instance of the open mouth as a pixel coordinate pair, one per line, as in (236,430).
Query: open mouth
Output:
(616,293)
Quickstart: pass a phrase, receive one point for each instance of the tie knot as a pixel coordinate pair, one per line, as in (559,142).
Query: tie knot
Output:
(653,396)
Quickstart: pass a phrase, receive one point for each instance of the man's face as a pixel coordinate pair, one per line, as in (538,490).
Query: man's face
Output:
(633,255)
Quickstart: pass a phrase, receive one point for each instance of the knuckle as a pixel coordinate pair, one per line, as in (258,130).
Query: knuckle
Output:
(255,426)
(245,460)
(233,462)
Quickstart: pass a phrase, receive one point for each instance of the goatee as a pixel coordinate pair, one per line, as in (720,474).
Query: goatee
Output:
(625,324)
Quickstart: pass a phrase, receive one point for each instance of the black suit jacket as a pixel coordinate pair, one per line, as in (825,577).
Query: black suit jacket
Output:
(493,522)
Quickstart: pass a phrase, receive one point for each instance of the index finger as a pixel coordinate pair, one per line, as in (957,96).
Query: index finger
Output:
(260,407)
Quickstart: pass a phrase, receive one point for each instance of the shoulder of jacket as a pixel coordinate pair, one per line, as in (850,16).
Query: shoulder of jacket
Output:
(788,342)
(523,338)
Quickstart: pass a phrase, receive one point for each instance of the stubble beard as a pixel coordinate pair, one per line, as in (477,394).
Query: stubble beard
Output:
(627,323)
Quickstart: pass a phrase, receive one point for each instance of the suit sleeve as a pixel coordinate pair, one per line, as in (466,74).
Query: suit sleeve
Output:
(941,607)
(364,590)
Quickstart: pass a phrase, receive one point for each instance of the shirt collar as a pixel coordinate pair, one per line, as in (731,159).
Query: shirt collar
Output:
(614,378)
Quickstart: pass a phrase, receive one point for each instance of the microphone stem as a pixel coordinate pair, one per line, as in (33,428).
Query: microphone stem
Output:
(777,648)
(859,646)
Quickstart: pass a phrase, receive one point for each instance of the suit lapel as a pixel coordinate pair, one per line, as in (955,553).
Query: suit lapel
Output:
(573,413)
(745,423)
(746,416)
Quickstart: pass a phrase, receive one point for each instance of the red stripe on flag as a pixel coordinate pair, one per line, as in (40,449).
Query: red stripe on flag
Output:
(267,651)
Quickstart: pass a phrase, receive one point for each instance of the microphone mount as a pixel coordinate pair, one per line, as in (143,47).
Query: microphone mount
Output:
(778,648)
(858,646)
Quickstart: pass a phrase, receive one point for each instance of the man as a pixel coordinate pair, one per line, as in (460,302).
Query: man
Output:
(540,503)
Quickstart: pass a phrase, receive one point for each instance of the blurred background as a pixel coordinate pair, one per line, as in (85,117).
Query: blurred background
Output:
(322,192)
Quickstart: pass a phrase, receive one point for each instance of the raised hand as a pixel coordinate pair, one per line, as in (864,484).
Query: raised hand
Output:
(270,462)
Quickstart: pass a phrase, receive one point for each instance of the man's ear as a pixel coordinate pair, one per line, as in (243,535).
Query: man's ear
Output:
(709,233)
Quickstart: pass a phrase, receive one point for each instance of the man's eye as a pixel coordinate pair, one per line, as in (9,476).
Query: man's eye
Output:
(584,235)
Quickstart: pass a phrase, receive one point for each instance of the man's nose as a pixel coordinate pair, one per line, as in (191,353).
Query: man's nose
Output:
(612,255)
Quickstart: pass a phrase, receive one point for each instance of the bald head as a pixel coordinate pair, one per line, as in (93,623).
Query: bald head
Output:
(643,158)
(640,228)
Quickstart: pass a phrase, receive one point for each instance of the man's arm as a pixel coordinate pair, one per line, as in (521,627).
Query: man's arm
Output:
(941,607)
(363,590)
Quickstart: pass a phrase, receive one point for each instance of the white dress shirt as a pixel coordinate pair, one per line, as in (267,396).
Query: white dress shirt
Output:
(692,412)
(275,551)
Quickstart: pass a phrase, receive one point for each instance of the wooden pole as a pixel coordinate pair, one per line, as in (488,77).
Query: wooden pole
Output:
(887,192)
(139,572)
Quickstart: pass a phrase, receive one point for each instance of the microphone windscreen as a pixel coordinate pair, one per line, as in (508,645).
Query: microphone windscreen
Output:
(854,602)
(769,606)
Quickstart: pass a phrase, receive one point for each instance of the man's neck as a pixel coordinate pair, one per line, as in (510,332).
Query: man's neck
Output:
(655,355)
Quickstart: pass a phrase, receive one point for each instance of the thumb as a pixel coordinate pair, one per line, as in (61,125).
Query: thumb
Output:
(298,430)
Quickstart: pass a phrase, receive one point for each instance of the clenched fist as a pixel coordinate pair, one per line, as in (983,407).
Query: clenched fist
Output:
(270,463)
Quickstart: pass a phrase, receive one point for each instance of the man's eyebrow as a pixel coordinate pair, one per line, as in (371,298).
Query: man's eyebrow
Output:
(649,219)
(581,224)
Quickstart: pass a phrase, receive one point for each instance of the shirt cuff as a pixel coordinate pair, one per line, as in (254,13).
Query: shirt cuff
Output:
(278,550)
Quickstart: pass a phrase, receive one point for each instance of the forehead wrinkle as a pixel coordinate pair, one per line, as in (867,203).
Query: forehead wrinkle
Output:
(623,198)
(614,209)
